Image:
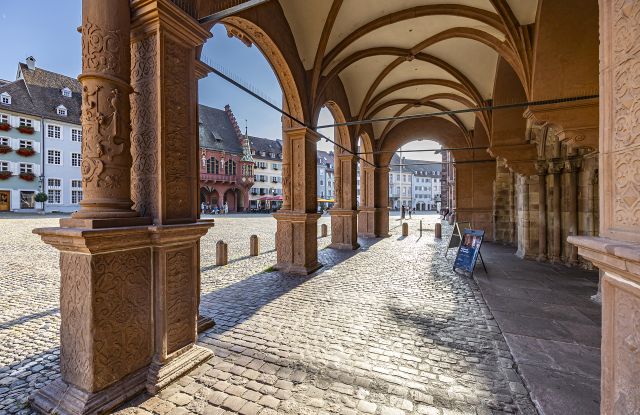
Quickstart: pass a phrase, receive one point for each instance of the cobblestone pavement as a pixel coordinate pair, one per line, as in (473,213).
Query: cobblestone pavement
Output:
(385,330)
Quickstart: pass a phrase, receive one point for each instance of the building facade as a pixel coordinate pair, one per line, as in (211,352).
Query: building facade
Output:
(40,140)
(226,164)
(266,193)
(326,180)
(425,184)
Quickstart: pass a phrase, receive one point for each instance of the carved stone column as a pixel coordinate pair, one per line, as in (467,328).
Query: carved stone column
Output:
(617,250)
(297,233)
(381,202)
(165,179)
(571,168)
(541,167)
(366,216)
(555,168)
(106,329)
(344,215)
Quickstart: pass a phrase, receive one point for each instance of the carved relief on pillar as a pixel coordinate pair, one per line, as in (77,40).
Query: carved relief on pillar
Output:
(179,149)
(106,157)
(106,332)
(144,121)
(181,301)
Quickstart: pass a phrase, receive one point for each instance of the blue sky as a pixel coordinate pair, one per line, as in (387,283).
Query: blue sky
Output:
(47,30)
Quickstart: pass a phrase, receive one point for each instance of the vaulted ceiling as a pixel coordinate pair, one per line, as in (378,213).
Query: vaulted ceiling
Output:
(404,57)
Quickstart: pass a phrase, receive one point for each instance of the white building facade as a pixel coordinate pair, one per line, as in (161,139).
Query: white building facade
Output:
(266,192)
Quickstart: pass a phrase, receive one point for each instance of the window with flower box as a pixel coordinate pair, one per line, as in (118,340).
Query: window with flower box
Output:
(76,135)
(54,131)
(76,159)
(26,122)
(4,119)
(5,141)
(4,166)
(54,157)
(26,168)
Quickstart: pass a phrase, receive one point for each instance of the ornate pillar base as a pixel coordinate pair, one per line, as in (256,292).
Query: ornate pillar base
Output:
(296,242)
(344,229)
(63,398)
(366,221)
(106,307)
(619,262)
(381,222)
(176,268)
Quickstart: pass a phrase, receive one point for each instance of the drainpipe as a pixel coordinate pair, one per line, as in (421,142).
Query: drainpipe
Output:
(42,152)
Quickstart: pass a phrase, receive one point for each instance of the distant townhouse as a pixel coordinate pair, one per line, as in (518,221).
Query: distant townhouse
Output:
(226,163)
(425,184)
(326,179)
(266,193)
(40,140)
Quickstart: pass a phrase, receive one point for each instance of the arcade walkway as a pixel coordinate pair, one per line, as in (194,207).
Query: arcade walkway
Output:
(386,330)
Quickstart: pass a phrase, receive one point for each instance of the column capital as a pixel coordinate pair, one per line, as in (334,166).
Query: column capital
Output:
(302,132)
(556,166)
(542,167)
(148,15)
(573,164)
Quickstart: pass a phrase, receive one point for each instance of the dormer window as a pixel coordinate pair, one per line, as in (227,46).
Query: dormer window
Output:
(66,92)
(5,99)
(61,110)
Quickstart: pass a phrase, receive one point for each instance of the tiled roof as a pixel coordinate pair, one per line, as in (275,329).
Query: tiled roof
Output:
(266,145)
(217,132)
(48,79)
(39,93)
(325,158)
(422,167)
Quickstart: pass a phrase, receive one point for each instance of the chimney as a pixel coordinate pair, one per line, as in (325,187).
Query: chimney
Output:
(31,63)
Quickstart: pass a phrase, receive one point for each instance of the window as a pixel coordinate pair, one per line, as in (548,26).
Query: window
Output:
(4,119)
(66,92)
(76,184)
(4,141)
(25,122)
(54,157)
(54,131)
(274,166)
(230,168)
(76,135)
(26,168)
(76,196)
(5,99)
(61,110)
(213,166)
(4,166)
(76,159)
(54,191)
(26,144)
(54,183)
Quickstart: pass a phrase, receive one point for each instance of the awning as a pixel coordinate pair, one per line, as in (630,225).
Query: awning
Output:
(320,200)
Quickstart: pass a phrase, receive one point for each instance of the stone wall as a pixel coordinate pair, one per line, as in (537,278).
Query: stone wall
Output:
(504,204)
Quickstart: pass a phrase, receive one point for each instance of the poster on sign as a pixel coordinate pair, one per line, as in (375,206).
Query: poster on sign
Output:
(468,251)
(456,235)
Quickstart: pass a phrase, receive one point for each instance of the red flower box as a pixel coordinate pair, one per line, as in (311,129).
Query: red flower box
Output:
(4,175)
(25,129)
(5,126)
(28,176)
(5,149)
(26,151)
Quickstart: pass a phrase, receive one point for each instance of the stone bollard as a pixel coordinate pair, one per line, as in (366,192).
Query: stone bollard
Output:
(438,230)
(323,230)
(405,229)
(222,257)
(254,247)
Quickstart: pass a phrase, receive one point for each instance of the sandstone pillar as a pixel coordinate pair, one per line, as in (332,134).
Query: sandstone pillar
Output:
(165,179)
(555,168)
(106,286)
(541,167)
(297,228)
(366,216)
(572,166)
(617,250)
(381,202)
(344,215)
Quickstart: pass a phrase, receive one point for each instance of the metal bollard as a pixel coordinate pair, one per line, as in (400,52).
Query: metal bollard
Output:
(323,230)
(420,227)
(405,229)
(222,257)
(254,247)
(438,230)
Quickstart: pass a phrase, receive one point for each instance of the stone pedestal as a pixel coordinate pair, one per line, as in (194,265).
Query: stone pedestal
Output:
(297,243)
(344,229)
(381,202)
(106,307)
(297,228)
(366,218)
(366,222)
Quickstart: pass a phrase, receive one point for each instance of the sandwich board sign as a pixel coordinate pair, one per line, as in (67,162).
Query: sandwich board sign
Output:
(469,250)
(456,235)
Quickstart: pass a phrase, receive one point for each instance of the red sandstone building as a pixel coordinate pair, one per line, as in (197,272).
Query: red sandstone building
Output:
(226,164)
